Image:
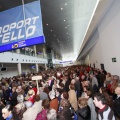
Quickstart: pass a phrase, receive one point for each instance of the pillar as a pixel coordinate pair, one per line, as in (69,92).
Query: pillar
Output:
(34,48)
(19,68)
(45,66)
(36,64)
(44,52)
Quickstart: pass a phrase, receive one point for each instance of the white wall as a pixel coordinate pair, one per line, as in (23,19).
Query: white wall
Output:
(87,60)
(12,70)
(10,60)
(8,57)
(108,43)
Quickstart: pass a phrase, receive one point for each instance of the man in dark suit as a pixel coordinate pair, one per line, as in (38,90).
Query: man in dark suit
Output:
(116,103)
(78,87)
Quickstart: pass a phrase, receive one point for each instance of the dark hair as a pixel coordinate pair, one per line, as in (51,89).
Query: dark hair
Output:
(46,90)
(89,93)
(8,107)
(61,85)
(59,90)
(65,95)
(46,104)
(0,87)
(37,98)
(103,89)
(109,74)
(87,88)
(108,98)
(100,97)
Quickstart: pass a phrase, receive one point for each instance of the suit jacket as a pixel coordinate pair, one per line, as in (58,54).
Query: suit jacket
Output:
(116,107)
(65,114)
(38,106)
(13,100)
(84,113)
(30,113)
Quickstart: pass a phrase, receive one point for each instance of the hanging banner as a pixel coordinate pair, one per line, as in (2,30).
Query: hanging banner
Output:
(21,26)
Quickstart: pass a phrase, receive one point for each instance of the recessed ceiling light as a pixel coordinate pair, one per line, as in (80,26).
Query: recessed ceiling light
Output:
(46,24)
(65,3)
(64,20)
(61,8)
(66,33)
(51,30)
(65,27)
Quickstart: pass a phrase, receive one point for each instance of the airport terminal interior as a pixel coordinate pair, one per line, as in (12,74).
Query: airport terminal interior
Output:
(76,32)
(72,46)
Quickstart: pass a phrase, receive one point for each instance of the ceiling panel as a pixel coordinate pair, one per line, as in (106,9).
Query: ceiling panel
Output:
(58,15)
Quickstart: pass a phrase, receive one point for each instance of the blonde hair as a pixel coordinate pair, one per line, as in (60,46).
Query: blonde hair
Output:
(82,102)
(31,92)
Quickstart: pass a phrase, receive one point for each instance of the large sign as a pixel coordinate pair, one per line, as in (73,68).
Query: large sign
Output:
(21,26)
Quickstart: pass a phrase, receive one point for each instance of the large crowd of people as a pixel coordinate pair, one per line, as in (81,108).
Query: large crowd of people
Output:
(70,93)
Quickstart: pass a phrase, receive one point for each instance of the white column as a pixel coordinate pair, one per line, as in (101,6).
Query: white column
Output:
(18,51)
(44,51)
(36,64)
(34,47)
(45,66)
(19,68)
(52,52)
